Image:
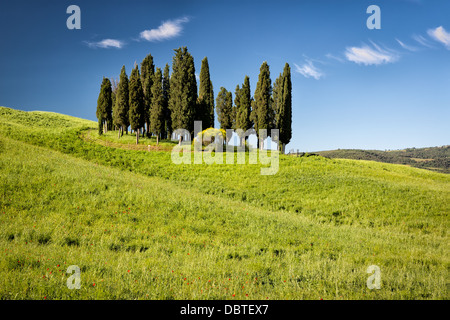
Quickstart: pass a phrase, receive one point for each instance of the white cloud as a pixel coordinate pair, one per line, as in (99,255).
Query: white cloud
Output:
(331,56)
(106,43)
(370,56)
(422,41)
(308,70)
(167,30)
(407,47)
(439,34)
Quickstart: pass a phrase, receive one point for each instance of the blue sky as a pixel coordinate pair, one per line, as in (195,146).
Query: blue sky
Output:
(352,87)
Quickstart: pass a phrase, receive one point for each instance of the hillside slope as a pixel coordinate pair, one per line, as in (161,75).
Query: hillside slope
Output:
(310,231)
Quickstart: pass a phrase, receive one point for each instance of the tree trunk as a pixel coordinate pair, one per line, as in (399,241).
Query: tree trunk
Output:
(157,139)
(137,136)
(180,138)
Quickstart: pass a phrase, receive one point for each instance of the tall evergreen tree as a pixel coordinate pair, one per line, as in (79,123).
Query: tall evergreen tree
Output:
(224,107)
(104,105)
(137,105)
(122,103)
(277,100)
(147,74)
(206,105)
(183,91)
(282,96)
(211,111)
(263,112)
(114,84)
(236,106)
(157,108)
(166,110)
(243,111)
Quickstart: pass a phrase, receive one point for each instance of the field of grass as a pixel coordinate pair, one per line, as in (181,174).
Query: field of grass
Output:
(141,227)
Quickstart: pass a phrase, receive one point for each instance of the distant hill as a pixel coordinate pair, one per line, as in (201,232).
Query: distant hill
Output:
(433,158)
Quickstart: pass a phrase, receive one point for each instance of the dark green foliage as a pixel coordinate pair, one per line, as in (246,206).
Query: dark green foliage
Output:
(205,107)
(236,107)
(244,109)
(157,107)
(282,105)
(211,111)
(114,84)
(224,107)
(137,107)
(122,102)
(262,114)
(166,110)
(100,126)
(183,90)
(147,74)
(202,113)
(104,105)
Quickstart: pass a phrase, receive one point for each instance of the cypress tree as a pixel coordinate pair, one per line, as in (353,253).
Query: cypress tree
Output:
(237,106)
(122,103)
(282,96)
(104,106)
(202,112)
(101,107)
(263,112)
(277,98)
(224,105)
(116,121)
(108,108)
(183,91)
(114,84)
(211,111)
(137,106)
(147,74)
(157,108)
(243,112)
(166,110)
(206,105)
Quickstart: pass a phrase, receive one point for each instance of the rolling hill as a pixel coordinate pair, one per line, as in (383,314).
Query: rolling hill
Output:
(142,227)
(433,158)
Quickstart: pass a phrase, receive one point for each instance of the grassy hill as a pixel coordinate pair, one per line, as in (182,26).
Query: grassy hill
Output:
(434,158)
(141,227)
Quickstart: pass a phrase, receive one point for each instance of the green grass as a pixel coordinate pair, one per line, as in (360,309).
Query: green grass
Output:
(308,232)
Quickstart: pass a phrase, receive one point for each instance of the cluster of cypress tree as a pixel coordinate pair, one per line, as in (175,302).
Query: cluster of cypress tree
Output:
(271,107)
(140,102)
(153,103)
